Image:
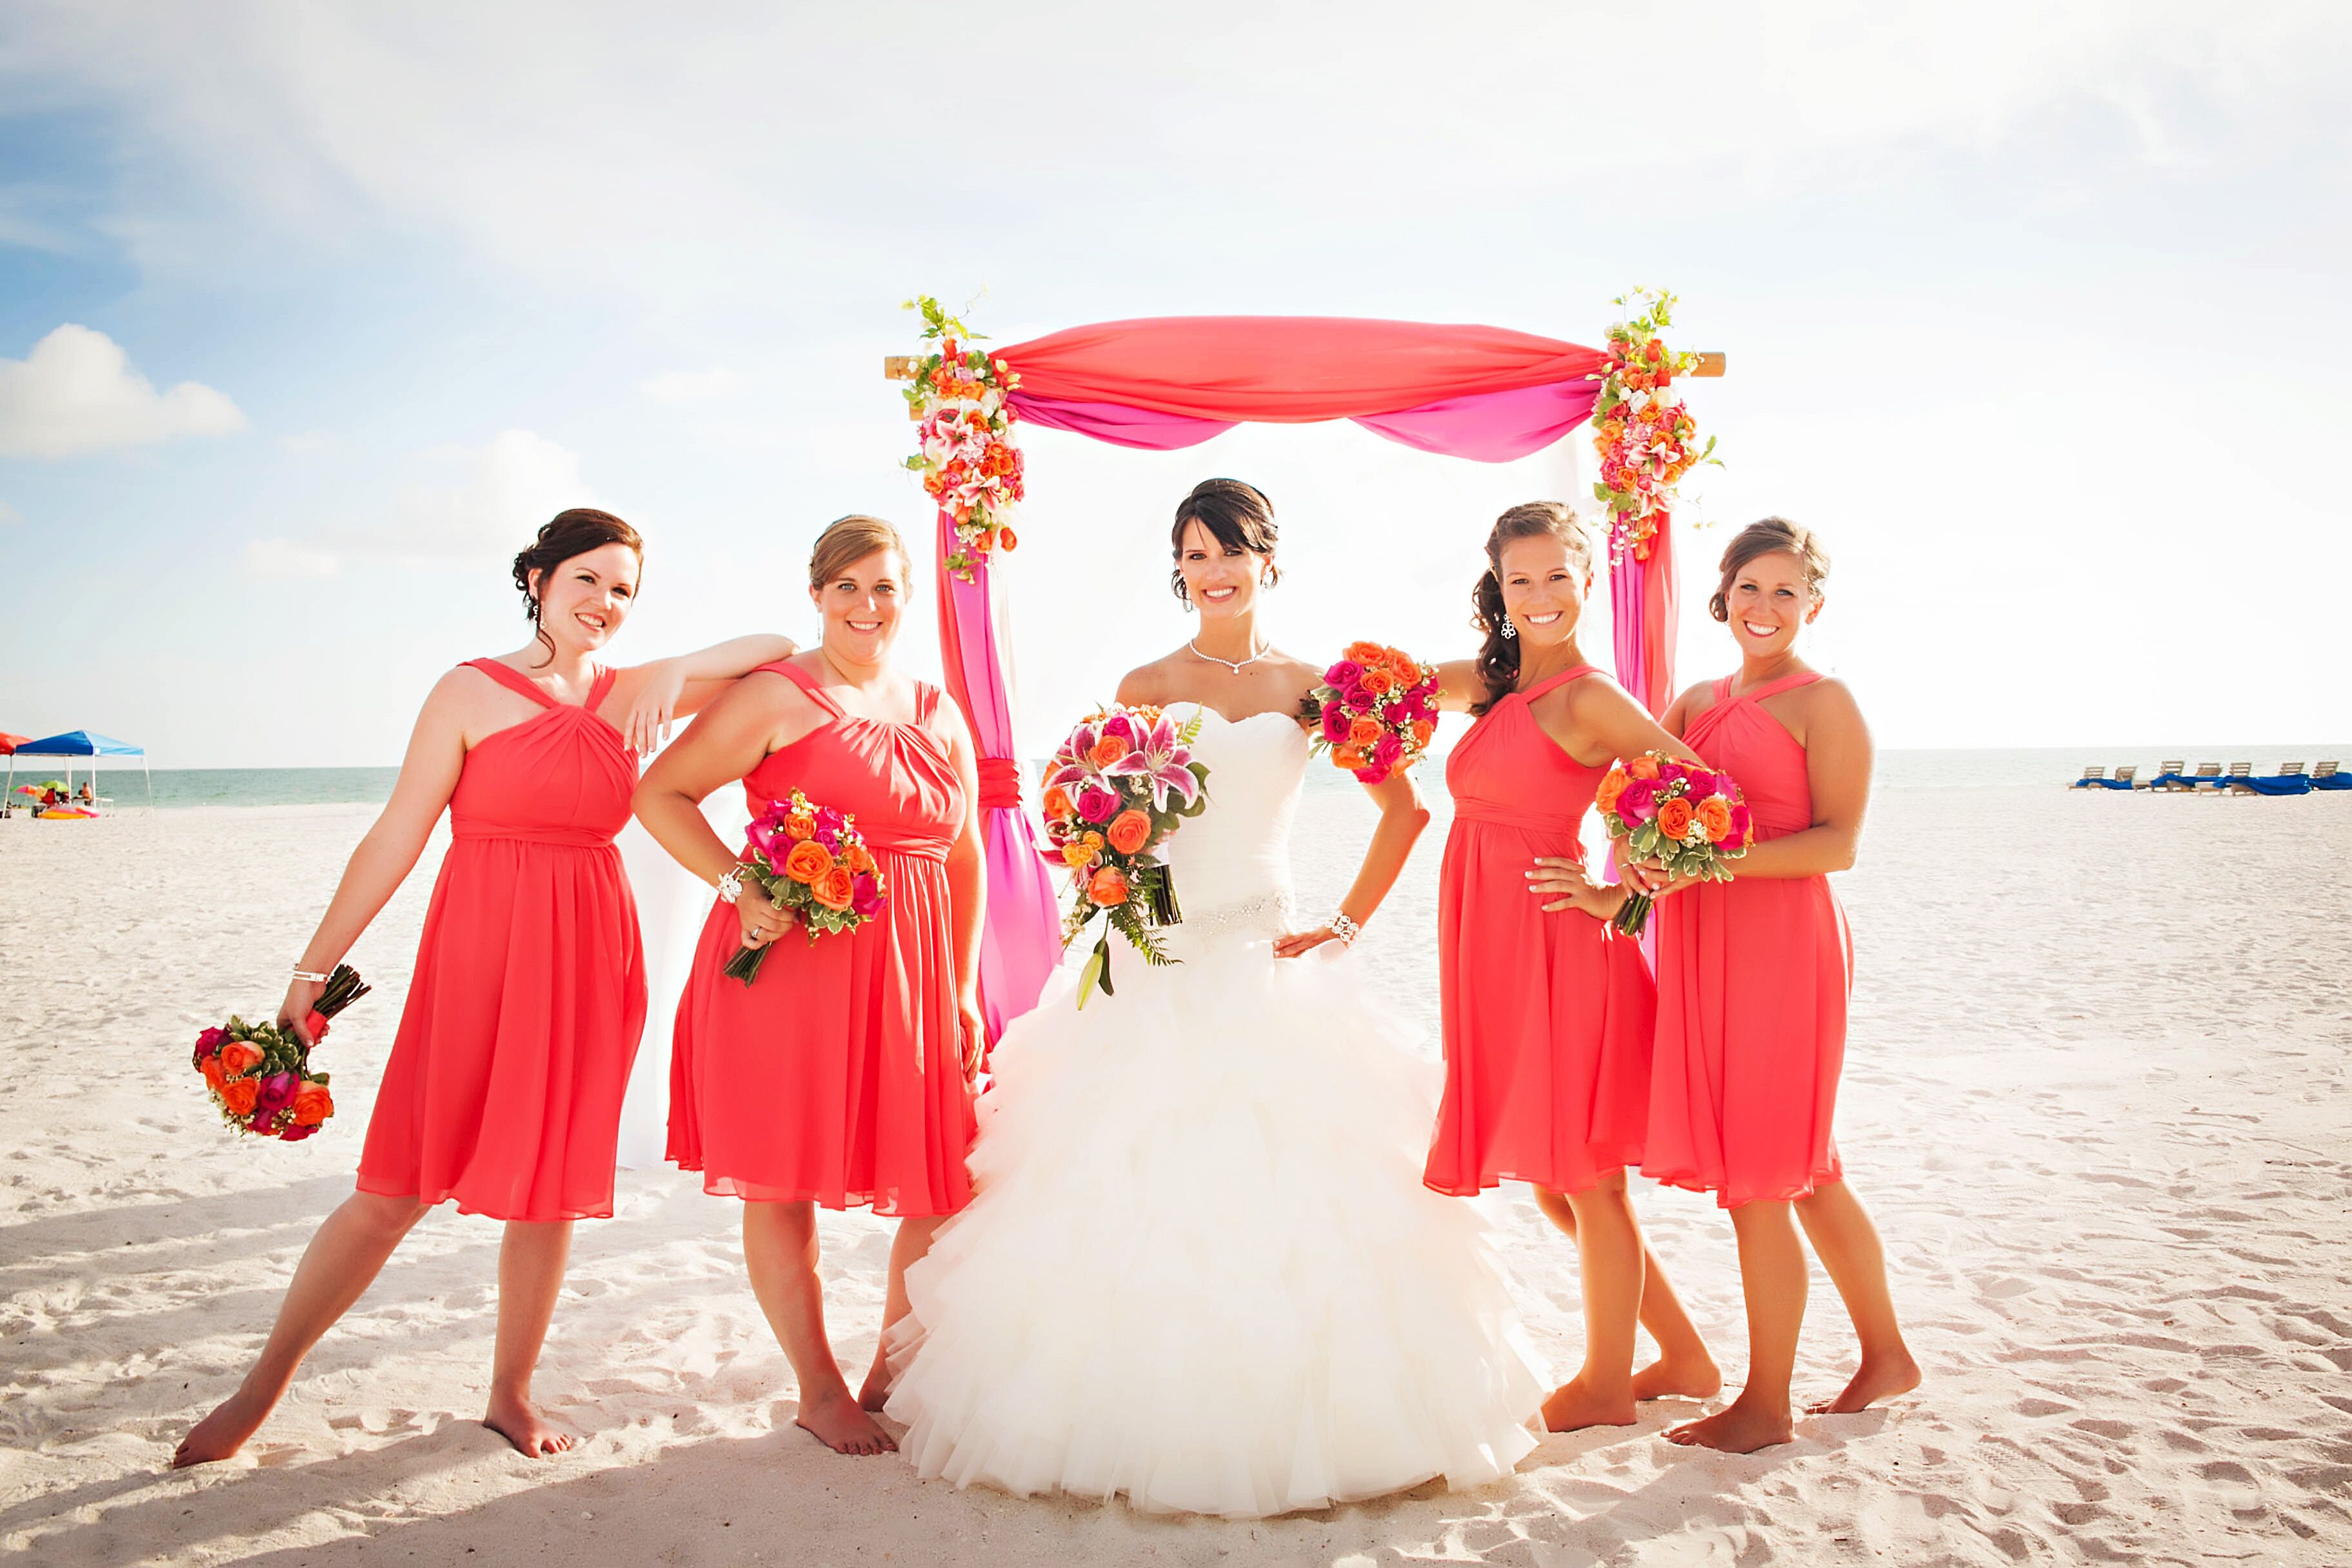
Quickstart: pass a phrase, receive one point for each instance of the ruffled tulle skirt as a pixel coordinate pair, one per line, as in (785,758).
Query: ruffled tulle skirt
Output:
(1200,1268)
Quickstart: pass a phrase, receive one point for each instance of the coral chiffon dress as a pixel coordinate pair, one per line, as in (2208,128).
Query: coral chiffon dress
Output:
(505,1083)
(1753,977)
(838,1075)
(1547,1017)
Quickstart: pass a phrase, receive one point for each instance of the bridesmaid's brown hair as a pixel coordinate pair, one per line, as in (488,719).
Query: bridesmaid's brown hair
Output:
(562,537)
(1498,656)
(848,540)
(1773,535)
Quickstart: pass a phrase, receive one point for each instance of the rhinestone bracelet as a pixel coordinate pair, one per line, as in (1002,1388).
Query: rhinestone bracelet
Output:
(1345,929)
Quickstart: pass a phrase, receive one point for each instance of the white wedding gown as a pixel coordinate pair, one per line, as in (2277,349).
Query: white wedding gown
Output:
(1200,1268)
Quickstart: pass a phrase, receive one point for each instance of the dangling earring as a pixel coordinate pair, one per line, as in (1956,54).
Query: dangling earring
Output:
(1509,630)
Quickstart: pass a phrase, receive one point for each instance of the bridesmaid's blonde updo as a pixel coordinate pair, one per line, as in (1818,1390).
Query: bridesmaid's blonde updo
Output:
(1498,657)
(848,540)
(1773,535)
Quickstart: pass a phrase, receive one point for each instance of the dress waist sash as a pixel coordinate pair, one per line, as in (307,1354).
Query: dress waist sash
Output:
(570,838)
(1525,820)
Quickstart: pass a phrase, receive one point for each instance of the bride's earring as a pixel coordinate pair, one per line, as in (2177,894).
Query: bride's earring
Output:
(1509,630)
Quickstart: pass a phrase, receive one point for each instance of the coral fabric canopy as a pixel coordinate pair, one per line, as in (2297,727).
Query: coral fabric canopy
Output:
(1482,393)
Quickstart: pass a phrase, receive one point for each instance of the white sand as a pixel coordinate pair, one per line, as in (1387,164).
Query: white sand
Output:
(2096,1097)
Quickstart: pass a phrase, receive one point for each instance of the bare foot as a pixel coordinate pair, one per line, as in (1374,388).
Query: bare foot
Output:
(222,1432)
(1573,1406)
(518,1421)
(842,1425)
(1740,1429)
(1671,1377)
(1881,1378)
(877,1392)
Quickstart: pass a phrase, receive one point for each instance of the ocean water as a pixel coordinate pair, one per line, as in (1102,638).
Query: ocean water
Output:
(2015,768)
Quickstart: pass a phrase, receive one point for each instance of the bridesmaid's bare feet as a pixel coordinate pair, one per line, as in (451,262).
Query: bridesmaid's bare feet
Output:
(518,1421)
(1740,1429)
(1573,1406)
(222,1432)
(1679,1377)
(841,1424)
(1880,1377)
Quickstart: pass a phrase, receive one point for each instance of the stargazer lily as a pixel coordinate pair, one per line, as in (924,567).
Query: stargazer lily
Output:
(1162,760)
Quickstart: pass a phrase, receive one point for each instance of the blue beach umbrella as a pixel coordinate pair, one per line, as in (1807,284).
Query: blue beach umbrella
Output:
(84,743)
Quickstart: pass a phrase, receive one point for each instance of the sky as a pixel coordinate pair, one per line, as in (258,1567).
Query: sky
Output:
(310,313)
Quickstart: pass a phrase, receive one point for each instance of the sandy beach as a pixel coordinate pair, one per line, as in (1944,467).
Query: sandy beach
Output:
(2096,1098)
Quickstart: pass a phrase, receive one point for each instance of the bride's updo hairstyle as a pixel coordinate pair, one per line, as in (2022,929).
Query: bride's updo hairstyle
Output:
(848,540)
(1773,535)
(563,536)
(1237,516)
(1498,657)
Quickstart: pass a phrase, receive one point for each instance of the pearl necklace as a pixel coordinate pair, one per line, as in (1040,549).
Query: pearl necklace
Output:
(1235,668)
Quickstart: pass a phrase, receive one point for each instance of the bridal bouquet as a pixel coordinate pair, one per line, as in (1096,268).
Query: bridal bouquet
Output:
(1688,818)
(811,860)
(259,1075)
(1375,711)
(1115,790)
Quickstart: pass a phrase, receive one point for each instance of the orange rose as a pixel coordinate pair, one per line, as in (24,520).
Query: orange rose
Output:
(834,888)
(1128,830)
(1006,539)
(1108,889)
(1605,798)
(1106,751)
(213,1071)
(1077,854)
(1351,758)
(808,861)
(312,1105)
(800,826)
(238,1095)
(1643,767)
(1363,732)
(1378,682)
(1364,652)
(854,857)
(1714,818)
(1057,802)
(1674,818)
(239,1056)
(1422,730)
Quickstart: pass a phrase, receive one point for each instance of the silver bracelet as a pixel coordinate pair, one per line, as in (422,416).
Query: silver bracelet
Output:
(313,976)
(1345,929)
(730,886)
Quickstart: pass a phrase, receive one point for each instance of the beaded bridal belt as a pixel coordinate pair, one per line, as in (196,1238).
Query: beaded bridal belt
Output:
(1268,915)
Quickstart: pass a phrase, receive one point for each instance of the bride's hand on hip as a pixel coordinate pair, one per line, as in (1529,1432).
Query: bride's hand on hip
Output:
(1298,944)
(763,918)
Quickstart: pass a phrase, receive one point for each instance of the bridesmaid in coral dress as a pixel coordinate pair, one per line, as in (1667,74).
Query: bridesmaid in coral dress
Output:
(1547,1011)
(843,1075)
(1753,977)
(504,1088)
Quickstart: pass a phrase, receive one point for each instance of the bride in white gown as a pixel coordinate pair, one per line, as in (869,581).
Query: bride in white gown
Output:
(1200,1268)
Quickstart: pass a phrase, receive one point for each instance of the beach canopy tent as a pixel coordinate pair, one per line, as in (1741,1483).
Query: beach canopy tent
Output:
(81,743)
(1486,394)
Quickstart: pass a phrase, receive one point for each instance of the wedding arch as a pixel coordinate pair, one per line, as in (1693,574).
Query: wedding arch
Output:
(1481,392)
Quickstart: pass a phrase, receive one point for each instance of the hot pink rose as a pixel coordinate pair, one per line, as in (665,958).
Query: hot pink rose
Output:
(868,898)
(211,1041)
(1741,820)
(1343,675)
(294,1134)
(1097,804)
(1335,724)
(1639,803)
(1387,749)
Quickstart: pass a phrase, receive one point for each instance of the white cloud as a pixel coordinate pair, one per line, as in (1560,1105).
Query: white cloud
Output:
(282,559)
(9,514)
(693,386)
(77,392)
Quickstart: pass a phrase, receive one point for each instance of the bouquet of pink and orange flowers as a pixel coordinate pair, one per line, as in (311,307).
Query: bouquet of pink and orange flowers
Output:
(1375,711)
(811,861)
(259,1074)
(1116,788)
(1688,819)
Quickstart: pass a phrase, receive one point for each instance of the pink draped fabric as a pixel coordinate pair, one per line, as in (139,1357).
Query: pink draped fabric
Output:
(1481,392)
(1022,941)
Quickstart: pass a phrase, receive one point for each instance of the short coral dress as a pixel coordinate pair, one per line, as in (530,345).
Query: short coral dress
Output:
(1547,1017)
(505,1083)
(1753,977)
(838,1075)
